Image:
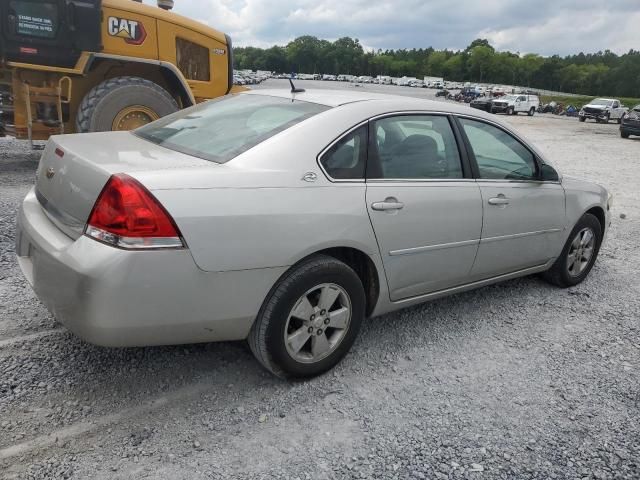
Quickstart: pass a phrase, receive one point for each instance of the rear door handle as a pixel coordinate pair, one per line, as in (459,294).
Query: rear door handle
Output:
(388,204)
(499,200)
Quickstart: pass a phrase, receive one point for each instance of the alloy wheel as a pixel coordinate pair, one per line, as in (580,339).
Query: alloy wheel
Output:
(317,323)
(581,252)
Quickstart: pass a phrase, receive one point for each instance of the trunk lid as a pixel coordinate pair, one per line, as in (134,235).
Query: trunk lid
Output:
(73,170)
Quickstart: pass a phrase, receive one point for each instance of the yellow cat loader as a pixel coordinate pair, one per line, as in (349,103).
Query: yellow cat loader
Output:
(97,65)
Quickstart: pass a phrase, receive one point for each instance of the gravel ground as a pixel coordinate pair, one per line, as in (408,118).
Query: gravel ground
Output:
(517,380)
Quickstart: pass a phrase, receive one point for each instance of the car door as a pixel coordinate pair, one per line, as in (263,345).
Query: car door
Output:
(425,209)
(616,110)
(523,217)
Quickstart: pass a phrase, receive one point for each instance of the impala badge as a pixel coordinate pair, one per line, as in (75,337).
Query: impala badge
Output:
(50,173)
(310,177)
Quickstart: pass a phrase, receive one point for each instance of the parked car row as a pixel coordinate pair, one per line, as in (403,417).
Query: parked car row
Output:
(248,77)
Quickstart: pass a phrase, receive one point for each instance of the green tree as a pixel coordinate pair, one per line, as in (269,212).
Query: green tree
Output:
(601,73)
(436,64)
(303,54)
(480,62)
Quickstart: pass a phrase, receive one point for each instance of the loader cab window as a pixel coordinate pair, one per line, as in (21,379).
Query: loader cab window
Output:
(193,60)
(33,19)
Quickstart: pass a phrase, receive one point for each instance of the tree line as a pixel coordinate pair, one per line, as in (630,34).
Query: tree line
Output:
(602,73)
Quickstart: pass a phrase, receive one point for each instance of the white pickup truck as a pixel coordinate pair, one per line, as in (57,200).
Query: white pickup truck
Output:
(602,110)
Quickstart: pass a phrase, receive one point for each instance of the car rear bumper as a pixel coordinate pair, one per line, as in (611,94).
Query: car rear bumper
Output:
(114,297)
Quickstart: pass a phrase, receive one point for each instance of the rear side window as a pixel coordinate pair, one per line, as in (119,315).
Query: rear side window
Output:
(221,129)
(414,147)
(346,159)
(498,154)
(193,60)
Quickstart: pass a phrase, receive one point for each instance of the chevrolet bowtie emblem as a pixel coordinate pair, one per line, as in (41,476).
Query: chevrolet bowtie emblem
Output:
(50,172)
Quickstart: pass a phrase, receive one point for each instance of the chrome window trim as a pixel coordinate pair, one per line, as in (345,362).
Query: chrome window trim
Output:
(424,113)
(539,161)
(429,180)
(420,180)
(497,180)
(328,147)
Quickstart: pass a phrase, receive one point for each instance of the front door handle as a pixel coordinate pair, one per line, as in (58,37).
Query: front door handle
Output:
(388,204)
(499,200)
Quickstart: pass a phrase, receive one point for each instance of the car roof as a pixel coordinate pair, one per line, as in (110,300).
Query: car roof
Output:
(337,98)
(330,98)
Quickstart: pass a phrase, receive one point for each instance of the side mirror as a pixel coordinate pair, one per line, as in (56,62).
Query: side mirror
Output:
(548,173)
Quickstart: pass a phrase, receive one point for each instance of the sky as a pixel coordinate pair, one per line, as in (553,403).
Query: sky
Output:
(546,27)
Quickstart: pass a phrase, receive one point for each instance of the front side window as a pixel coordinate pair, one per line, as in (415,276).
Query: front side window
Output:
(221,129)
(414,147)
(498,154)
(346,158)
(193,60)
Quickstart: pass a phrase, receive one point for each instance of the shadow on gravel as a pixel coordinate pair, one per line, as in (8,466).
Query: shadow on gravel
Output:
(65,366)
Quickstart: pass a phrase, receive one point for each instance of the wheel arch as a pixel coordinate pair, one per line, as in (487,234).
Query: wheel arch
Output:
(598,212)
(165,74)
(361,263)
(364,267)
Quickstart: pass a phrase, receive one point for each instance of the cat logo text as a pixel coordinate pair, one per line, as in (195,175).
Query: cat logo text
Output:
(131,31)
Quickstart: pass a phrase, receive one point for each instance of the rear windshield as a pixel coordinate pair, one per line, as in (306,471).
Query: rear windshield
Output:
(222,129)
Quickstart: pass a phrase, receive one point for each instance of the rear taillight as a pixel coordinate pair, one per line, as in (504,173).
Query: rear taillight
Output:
(126,215)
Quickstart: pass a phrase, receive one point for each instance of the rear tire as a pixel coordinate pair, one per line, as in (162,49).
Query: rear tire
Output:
(125,102)
(578,255)
(294,308)
(532,111)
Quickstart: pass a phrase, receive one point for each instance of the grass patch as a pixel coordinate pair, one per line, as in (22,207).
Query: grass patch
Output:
(583,100)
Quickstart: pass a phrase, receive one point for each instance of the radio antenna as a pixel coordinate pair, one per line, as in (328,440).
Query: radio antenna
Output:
(294,89)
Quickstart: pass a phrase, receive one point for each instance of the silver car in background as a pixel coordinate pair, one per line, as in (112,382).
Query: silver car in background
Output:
(288,218)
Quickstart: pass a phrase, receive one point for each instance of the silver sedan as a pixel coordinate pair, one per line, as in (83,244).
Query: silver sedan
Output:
(288,218)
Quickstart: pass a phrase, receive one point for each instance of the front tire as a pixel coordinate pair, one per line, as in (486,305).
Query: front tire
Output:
(582,119)
(624,134)
(123,103)
(510,111)
(310,319)
(578,255)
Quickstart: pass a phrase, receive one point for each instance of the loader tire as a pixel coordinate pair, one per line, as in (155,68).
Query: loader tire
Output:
(123,103)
